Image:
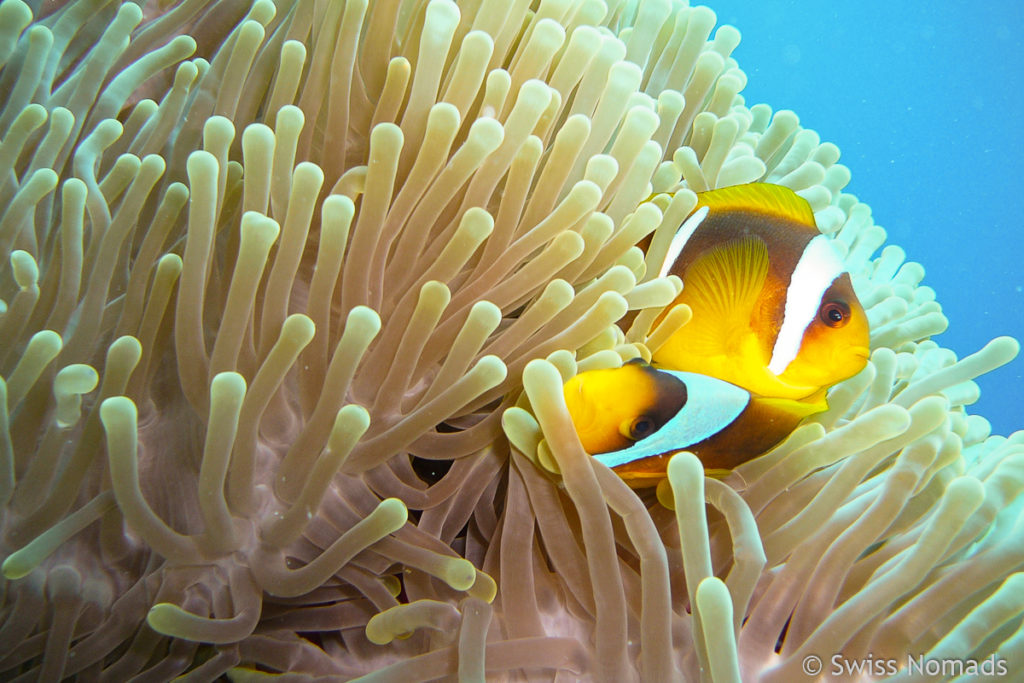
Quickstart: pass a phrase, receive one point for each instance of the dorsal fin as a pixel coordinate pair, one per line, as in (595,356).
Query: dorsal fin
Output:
(774,200)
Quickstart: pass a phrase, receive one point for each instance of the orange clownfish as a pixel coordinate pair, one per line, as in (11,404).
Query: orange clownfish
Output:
(634,418)
(774,310)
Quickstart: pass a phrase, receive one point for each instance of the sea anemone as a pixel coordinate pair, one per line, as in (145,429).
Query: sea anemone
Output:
(289,293)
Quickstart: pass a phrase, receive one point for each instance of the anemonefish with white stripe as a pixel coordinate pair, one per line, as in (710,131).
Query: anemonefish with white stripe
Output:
(774,310)
(635,417)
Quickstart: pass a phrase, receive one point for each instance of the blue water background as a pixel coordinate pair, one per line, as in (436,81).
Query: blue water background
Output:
(926,103)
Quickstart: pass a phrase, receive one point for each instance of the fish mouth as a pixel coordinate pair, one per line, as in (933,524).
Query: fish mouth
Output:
(862,351)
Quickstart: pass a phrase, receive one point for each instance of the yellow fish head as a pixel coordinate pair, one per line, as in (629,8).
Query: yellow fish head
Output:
(614,407)
(835,344)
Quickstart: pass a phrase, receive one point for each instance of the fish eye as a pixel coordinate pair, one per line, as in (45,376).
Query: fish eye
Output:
(642,427)
(834,313)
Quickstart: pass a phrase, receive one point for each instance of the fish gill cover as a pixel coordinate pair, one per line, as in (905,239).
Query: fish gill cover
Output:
(290,292)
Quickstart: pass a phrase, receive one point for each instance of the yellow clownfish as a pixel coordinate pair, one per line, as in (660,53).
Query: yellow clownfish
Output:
(774,310)
(633,419)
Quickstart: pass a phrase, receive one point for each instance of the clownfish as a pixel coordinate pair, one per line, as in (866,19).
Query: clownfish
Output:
(635,417)
(774,310)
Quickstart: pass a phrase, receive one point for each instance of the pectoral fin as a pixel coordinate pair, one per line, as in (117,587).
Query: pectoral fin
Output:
(722,287)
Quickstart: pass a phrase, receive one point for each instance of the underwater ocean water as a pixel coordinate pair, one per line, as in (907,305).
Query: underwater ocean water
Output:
(925,102)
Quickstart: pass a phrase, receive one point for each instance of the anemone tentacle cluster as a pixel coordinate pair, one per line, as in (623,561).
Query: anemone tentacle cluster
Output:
(288,291)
